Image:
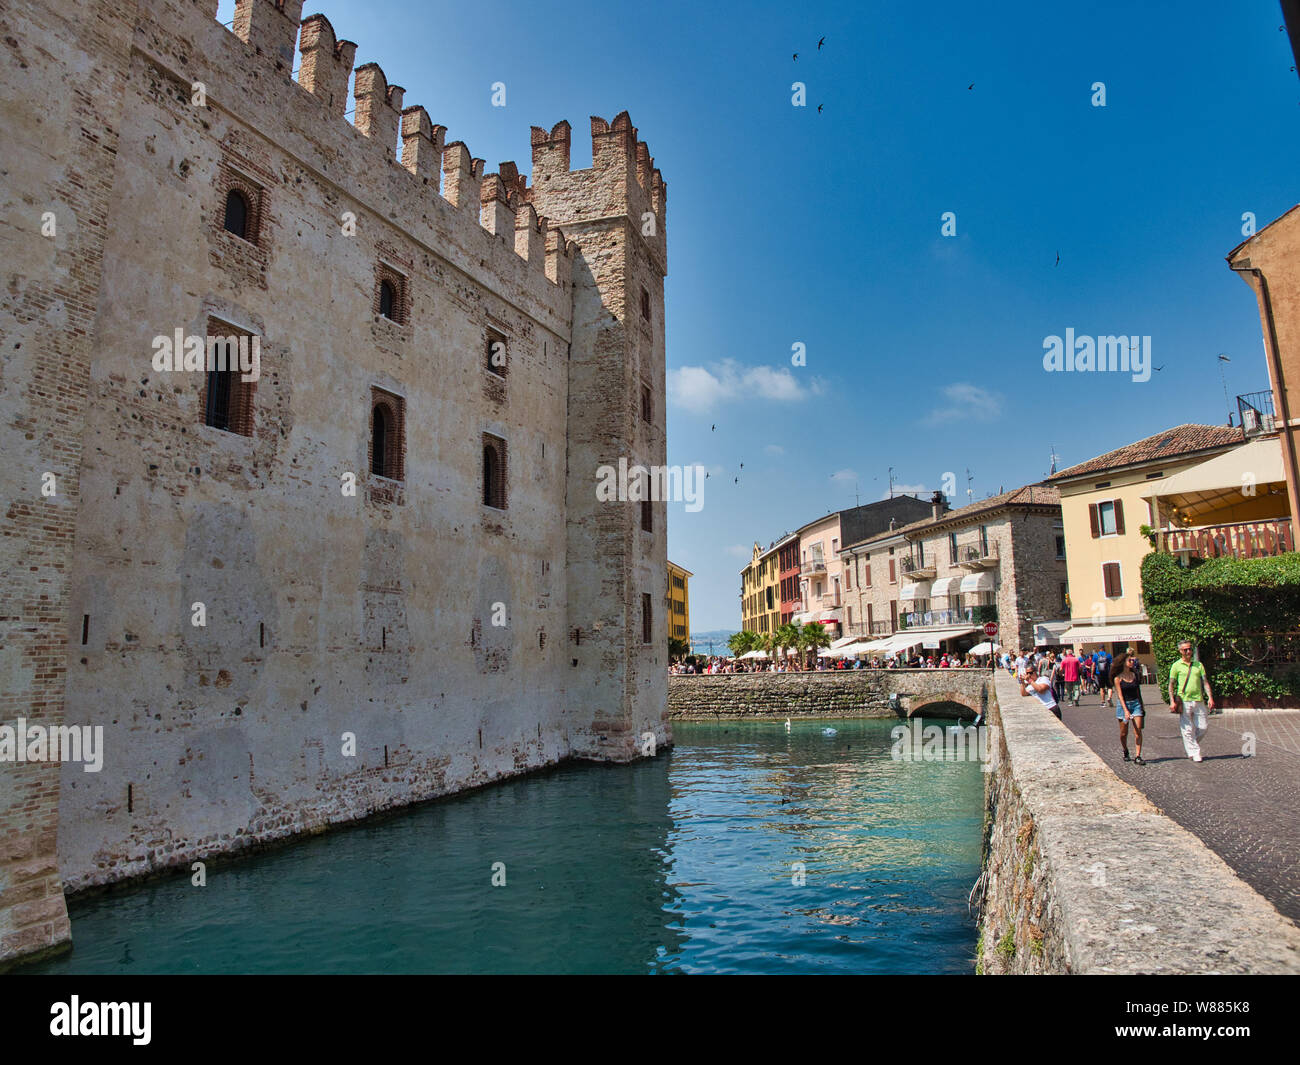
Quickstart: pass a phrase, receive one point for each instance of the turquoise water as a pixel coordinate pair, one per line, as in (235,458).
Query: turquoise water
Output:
(680,864)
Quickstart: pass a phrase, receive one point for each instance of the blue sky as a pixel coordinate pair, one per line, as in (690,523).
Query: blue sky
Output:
(784,225)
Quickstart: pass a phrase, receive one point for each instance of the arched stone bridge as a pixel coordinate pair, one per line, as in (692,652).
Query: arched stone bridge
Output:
(835,693)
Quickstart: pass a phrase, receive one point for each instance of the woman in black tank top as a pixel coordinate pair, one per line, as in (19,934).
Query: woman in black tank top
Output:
(1128,703)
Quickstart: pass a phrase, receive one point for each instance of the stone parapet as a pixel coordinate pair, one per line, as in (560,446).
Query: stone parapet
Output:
(1083,874)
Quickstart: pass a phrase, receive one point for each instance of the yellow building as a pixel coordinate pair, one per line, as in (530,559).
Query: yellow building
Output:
(760,592)
(679,603)
(1104,502)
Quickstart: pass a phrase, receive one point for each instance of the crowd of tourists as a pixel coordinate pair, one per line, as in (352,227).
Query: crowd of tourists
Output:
(1118,679)
(825,663)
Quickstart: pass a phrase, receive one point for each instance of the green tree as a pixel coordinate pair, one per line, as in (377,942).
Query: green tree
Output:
(812,637)
(676,648)
(786,635)
(741,643)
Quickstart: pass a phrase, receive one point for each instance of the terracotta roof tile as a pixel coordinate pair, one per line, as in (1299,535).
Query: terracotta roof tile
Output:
(1180,440)
(1038,495)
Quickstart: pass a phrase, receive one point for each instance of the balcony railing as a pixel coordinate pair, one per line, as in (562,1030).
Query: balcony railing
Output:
(977,555)
(1247,539)
(881,628)
(830,601)
(813,565)
(912,568)
(1256,412)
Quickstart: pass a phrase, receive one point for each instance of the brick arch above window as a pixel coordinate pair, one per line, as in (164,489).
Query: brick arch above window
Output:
(234,185)
(386,449)
(391,297)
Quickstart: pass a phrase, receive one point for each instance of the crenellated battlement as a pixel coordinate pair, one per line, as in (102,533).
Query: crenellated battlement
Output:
(504,200)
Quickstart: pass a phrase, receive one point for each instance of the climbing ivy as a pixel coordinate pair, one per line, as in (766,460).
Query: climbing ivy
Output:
(1213,601)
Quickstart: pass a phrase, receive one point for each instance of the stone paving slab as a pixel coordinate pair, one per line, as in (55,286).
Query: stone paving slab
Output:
(1245,809)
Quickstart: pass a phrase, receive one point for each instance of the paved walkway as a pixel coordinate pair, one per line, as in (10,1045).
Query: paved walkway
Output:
(1245,809)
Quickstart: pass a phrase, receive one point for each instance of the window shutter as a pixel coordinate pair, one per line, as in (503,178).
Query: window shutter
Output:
(1094,521)
(892,574)
(1119,516)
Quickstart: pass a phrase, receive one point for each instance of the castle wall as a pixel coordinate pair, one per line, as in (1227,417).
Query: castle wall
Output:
(329,617)
(60,107)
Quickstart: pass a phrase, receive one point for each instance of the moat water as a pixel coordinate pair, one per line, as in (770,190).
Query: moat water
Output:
(686,863)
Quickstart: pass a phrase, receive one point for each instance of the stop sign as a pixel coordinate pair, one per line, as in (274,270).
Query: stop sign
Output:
(990,628)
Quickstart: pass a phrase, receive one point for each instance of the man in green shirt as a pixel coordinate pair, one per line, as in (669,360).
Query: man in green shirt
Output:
(1189,695)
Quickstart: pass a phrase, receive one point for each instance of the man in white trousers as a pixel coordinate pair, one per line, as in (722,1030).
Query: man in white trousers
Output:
(1189,696)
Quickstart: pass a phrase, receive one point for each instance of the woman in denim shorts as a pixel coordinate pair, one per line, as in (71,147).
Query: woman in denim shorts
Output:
(1128,703)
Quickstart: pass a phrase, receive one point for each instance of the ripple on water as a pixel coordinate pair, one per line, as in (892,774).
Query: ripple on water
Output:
(680,864)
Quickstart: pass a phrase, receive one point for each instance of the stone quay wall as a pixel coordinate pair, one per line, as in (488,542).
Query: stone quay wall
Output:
(838,693)
(1082,874)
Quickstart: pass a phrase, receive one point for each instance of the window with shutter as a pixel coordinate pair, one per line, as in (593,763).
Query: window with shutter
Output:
(893,576)
(1119,516)
(1093,522)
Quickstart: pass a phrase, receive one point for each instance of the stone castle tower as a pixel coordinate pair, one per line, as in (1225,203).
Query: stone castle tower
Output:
(266,652)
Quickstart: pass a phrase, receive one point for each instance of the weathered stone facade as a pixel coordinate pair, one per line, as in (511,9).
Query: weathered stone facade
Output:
(456,641)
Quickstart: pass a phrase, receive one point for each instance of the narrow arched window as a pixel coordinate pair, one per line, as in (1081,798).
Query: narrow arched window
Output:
(237,213)
(494,472)
(491,475)
(387,299)
(379,443)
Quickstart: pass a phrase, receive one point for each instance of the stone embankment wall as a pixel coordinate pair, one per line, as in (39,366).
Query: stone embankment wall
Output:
(839,693)
(1083,875)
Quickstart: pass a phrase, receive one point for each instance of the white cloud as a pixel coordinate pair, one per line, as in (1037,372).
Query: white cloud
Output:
(699,389)
(844,475)
(774,449)
(966,402)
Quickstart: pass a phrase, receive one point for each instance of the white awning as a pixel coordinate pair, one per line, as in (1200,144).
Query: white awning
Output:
(983,648)
(843,641)
(1218,481)
(902,641)
(913,592)
(977,582)
(1050,632)
(754,654)
(1133,632)
(945,586)
(881,644)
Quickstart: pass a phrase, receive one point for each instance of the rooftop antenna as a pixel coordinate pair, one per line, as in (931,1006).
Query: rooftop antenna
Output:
(1053,469)
(1222,359)
(970,494)
(891,482)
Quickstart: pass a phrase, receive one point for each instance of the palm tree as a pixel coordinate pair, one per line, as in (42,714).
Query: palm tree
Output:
(741,643)
(813,636)
(787,635)
(676,648)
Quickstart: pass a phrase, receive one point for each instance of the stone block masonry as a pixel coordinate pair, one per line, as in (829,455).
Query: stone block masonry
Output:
(1083,875)
(936,693)
(372,614)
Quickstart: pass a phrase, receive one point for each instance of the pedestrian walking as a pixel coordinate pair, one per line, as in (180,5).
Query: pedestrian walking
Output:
(1101,666)
(1070,676)
(1041,688)
(1128,704)
(1189,696)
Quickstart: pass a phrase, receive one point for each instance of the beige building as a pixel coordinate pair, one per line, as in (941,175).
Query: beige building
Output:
(941,579)
(1104,503)
(871,571)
